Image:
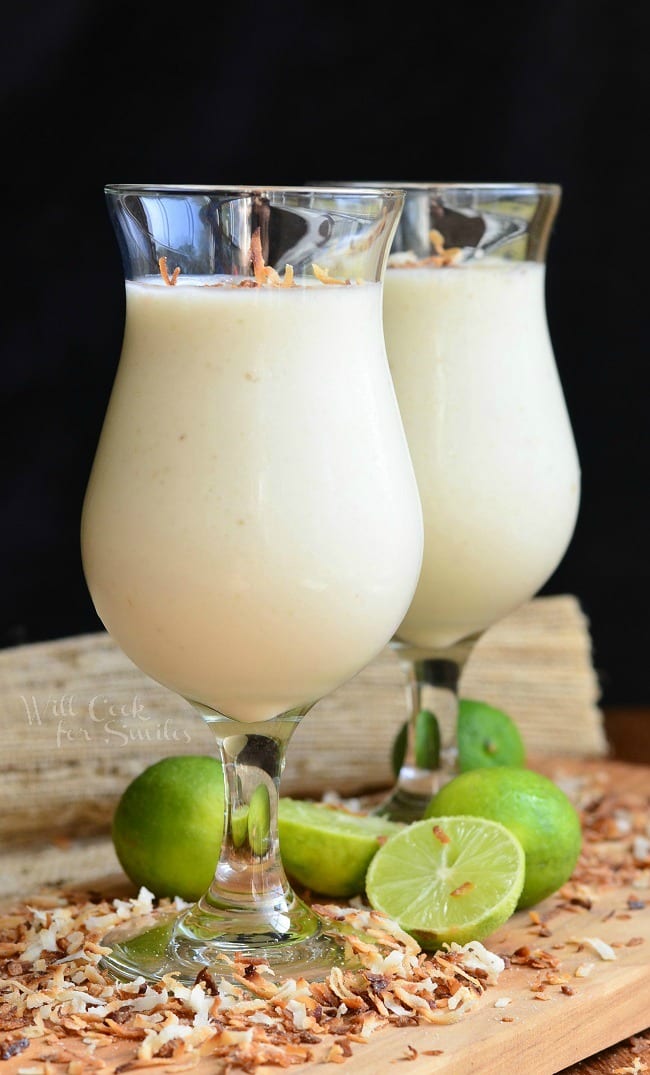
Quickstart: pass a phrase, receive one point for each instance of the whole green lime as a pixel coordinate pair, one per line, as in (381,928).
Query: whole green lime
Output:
(486,736)
(536,811)
(168,824)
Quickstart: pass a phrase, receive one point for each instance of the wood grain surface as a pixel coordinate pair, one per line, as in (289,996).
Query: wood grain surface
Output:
(543,1029)
(79,720)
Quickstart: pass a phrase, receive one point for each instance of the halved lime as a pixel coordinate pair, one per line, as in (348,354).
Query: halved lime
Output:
(328,848)
(533,807)
(448,879)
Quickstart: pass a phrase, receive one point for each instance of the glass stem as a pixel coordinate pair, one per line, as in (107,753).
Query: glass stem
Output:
(250,903)
(432,683)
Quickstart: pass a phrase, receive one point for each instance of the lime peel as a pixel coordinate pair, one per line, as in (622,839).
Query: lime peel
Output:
(168,824)
(487,736)
(533,808)
(327,849)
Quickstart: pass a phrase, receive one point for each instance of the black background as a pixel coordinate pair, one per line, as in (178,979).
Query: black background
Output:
(290,93)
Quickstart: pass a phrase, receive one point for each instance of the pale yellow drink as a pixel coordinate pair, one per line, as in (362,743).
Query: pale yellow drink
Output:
(490,439)
(251,532)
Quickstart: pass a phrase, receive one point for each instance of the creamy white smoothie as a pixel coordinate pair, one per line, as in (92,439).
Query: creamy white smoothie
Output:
(251,533)
(489,435)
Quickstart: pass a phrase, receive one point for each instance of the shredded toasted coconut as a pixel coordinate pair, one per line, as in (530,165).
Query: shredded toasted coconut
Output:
(265,273)
(463,889)
(408,259)
(164,272)
(324,276)
(635,1068)
(584,970)
(601,948)
(53,992)
(57,1007)
(262,274)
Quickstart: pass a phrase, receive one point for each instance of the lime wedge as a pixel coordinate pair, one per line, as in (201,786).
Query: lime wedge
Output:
(327,849)
(448,879)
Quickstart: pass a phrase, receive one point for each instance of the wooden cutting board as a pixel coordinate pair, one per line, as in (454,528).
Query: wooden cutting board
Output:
(542,1029)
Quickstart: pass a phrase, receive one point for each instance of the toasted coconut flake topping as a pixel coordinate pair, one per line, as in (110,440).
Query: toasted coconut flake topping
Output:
(408,259)
(445,257)
(265,274)
(164,272)
(324,275)
(60,994)
(257,258)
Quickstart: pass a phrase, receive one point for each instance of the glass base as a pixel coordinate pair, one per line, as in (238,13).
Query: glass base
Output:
(432,678)
(176,943)
(405,806)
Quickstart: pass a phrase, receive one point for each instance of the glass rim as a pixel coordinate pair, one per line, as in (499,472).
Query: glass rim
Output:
(235,190)
(511,186)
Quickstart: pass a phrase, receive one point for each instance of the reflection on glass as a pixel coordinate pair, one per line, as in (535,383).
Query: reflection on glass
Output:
(487,426)
(252,531)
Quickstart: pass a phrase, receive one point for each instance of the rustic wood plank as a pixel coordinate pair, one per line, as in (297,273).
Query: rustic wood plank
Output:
(628,732)
(616,1059)
(540,1037)
(80,720)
